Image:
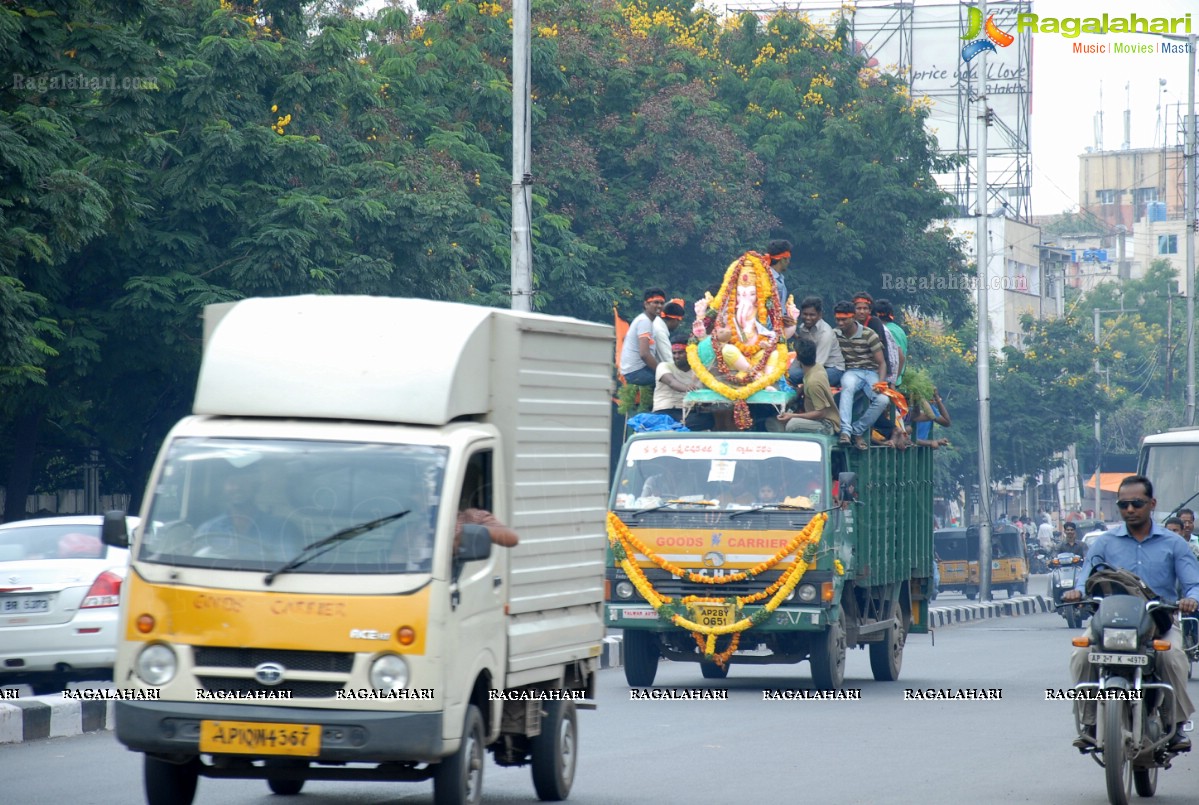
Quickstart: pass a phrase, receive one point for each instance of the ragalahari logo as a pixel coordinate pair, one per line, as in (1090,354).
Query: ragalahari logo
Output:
(994,36)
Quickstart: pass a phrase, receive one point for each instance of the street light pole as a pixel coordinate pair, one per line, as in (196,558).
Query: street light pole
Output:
(522,244)
(984,340)
(1189,206)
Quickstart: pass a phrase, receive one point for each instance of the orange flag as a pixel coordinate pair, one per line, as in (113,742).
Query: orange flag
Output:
(622,329)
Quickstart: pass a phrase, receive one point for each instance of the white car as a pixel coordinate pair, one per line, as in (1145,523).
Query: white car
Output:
(60,590)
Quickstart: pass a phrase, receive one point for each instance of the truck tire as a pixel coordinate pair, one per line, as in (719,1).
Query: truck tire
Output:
(886,658)
(285,786)
(970,594)
(555,752)
(827,658)
(170,783)
(640,658)
(711,670)
(458,780)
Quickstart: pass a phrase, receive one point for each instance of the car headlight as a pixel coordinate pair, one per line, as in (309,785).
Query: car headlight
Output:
(1120,639)
(624,589)
(807,593)
(389,672)
(156,664)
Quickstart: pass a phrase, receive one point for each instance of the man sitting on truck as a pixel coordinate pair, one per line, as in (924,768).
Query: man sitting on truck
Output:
(865,367)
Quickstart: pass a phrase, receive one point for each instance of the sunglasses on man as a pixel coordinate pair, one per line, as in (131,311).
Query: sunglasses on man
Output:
(1136,503)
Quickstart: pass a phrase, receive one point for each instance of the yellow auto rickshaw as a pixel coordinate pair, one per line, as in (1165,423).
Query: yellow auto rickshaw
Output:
(957,557)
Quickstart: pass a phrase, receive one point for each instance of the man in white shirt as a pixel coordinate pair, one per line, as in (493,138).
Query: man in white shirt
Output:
(665,326)
(637,357)
(828,349)
(674,379)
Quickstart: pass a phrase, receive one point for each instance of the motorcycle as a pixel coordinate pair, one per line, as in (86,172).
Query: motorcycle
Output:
(1190,641)
(1038,559)
(1064,569)
(1133,725)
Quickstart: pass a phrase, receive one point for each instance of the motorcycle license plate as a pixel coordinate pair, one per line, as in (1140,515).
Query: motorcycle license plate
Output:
(1066,581)
(1117,659)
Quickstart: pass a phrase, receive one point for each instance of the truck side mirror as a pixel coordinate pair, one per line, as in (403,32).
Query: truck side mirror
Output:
(114,532)
(847,482)
(475,543)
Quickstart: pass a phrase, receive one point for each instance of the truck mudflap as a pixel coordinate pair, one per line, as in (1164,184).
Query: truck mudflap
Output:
(919,622)
(175,728)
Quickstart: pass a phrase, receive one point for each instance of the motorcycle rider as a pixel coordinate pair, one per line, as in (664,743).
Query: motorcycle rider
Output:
(1166,565)
(1070,543)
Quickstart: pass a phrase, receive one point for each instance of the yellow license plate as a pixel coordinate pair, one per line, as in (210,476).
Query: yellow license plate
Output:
(259,738)
(712,615)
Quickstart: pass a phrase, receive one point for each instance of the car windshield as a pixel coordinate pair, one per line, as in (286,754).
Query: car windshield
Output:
(53,541)
(255,504)
(738,473)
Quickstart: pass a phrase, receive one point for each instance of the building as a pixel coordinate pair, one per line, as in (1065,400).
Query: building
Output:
(1120,188)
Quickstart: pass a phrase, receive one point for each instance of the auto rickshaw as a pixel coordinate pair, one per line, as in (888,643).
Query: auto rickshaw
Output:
(957,555)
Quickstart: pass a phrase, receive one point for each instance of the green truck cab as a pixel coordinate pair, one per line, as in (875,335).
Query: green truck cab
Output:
(720,517)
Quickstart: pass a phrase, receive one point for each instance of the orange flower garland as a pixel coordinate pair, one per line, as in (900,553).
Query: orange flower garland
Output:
(624,544)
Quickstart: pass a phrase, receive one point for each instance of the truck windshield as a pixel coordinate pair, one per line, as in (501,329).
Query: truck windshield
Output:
(242,504)
(1174,470)
(716,471)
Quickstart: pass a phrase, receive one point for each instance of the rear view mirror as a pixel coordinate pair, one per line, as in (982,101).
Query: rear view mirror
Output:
(115,532)
(475,543)
(847,482)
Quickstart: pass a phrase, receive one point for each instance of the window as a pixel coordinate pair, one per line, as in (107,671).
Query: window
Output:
(1144,195)
(1167,244)
(1105,196)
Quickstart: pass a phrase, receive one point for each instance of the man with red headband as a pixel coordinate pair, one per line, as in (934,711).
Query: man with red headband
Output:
(779,253)
(638,359)
(665,326)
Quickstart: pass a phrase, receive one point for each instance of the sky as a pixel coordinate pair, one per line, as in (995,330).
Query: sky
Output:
(1066,89)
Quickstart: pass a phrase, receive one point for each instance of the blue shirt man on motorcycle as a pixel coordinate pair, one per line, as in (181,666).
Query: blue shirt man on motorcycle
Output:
(1166,564)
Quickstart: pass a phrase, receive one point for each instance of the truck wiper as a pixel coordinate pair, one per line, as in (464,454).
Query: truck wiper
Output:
(1182,505)
(673,503)
(789,506)
(325,544)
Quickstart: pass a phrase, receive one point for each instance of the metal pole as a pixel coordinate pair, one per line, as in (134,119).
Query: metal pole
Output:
(1189,206)
(522,245)
(1098,442)
(984,342)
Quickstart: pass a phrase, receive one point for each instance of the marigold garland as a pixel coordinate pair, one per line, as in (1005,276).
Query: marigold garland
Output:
(624,544)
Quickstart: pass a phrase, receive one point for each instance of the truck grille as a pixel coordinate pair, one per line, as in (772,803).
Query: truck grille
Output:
(329,661)
(300,688)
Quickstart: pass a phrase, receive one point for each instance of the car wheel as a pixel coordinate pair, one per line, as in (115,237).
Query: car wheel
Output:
(46,685)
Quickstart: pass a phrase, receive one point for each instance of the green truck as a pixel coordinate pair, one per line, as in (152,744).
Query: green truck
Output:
(767,548)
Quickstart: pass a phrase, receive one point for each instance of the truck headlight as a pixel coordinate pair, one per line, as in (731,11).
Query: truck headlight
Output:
(1120,639)
(389,672)
(624,589)
(807,593)
(156,664)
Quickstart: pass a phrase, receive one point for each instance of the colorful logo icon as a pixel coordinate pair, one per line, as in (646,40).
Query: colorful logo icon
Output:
(994,36)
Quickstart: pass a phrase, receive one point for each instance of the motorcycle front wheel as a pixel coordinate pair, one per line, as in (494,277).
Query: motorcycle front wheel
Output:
(1116,763)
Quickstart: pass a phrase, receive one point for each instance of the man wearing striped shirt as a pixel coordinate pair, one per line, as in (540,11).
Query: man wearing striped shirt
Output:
(864,365)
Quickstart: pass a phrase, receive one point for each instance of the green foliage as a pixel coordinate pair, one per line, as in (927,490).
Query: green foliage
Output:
(631,400)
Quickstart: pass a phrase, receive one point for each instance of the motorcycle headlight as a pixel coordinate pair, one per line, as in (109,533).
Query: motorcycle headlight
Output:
(1120,639)
(807,593)
(156,664)
(389,672)
(624,589)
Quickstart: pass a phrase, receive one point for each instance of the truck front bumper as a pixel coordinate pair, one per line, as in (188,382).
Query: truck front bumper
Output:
(784,619)
(173,728)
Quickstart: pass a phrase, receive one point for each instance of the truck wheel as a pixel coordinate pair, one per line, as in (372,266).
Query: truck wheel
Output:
(711,670)
(458,780)
(555,752)
(640,658)
(971,594)
(285,786)
(170,783)
(827,658)
(886,658)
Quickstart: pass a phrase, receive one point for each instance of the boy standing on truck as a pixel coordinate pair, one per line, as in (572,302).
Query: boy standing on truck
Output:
(638,359)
